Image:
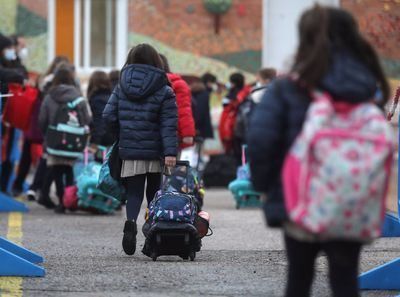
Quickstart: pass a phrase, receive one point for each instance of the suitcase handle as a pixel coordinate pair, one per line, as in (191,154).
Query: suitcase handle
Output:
(178,164)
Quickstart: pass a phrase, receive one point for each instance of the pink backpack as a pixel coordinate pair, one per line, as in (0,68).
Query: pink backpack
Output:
(335,176)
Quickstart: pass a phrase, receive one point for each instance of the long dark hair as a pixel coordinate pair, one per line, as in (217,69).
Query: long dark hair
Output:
(56,61)
(144,54)
(165,62)
(323,28)
(63,76)
(99,80)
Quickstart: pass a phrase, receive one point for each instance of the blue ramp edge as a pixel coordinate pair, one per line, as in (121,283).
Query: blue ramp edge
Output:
(8,204)
(391,226)
(20,251)
(12,265)
(385,277)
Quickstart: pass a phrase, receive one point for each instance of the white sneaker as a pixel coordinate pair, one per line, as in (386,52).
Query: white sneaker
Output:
(31,195)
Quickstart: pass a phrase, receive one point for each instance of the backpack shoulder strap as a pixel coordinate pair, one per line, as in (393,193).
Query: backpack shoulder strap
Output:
(76,102)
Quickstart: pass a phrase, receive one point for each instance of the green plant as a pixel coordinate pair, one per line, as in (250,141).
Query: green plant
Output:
(217,6)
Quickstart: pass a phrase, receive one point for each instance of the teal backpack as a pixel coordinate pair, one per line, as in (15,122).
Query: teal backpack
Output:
(106,183)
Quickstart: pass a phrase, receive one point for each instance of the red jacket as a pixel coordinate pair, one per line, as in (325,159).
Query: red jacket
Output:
(228,119)
(183,95)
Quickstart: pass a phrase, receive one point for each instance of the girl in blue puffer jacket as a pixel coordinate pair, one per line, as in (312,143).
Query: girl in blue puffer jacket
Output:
(142,113)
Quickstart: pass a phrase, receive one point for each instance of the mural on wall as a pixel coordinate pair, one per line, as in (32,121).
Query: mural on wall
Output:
(29,19)
(225,34)
(380,22)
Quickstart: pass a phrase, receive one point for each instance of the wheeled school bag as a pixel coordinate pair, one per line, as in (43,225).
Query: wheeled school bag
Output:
(169,227)
(335,176)
(68,137)
(242,188)
(90,198)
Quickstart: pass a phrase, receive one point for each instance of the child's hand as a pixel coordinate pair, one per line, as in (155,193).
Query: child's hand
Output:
(188,140)
(170,161)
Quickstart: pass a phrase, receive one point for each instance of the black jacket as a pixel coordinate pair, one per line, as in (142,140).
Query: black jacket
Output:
(100,135)
(201,110)
(142,110)
(279,117)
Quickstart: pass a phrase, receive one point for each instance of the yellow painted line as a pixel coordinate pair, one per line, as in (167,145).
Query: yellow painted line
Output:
(12,286)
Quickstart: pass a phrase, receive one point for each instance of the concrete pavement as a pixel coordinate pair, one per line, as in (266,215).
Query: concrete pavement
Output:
(84,257)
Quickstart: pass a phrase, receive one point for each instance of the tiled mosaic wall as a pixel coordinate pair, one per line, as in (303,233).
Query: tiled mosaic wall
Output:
(186,26)
(379,20)
(28,18)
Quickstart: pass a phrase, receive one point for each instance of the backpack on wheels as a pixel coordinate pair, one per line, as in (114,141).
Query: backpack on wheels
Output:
(68,137)
(170,224)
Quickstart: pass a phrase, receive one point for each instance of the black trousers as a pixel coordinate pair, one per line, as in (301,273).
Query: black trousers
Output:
(7,166)
(40,175)
(343,259)
(135,192)
(24,166)
(62,175)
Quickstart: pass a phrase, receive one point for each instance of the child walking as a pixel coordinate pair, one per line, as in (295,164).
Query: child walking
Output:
(143,114)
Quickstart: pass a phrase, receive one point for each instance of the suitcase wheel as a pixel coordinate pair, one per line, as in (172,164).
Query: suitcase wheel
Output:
(158,239)
(154,256)
(192,256)
(187,239)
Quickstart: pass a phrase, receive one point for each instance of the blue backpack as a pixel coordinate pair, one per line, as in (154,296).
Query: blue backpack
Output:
(172,207)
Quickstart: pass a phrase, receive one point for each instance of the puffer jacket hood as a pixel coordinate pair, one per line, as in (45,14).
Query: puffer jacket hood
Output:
(348,79)
(140,81)
(64,93)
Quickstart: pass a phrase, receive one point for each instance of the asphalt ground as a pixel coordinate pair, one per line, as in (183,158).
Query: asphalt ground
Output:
(84,257)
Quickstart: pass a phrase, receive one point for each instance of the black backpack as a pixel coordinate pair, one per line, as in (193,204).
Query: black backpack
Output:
(220,171)
(68,137)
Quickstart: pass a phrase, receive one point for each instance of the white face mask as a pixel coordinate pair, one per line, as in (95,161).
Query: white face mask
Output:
(23,53)
(9,54)
(259,84)
(228,85)
(214,87)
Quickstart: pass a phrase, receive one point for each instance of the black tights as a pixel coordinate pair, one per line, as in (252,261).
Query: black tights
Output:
(343,258)
(63,176)
(135,191)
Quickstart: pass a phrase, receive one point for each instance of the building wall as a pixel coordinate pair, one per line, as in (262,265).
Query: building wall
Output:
(28,18)
(380,22)
(184,30)
(186,26)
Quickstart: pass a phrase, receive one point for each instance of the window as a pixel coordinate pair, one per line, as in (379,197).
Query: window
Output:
(100,33)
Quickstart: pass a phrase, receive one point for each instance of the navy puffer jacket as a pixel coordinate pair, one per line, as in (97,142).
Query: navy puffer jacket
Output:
(142,110)
(279,117)
(100,135)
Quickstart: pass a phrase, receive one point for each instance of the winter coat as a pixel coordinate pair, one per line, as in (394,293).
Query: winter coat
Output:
(100,135)
(142,110)
(278,119)
(8,75)
(34,133)
(56,97)
(183,95)
(202,117)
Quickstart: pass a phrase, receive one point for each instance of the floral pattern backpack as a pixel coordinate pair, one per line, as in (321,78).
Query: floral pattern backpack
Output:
(336,175)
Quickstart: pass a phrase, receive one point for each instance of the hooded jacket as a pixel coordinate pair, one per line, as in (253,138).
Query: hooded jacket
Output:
(142,111)
(202,116)
(100,134)
(184,102)
(278,119)
(56,97)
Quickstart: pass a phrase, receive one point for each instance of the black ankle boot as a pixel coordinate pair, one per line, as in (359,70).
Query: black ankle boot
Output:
(129,240)
(46,202)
